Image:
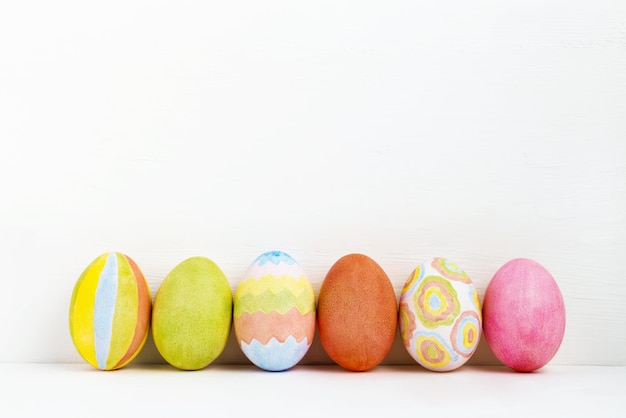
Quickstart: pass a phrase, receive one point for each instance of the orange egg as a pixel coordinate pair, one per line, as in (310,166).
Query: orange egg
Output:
(357,313)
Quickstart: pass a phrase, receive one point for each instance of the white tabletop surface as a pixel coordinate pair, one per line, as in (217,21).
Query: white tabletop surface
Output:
(160,390)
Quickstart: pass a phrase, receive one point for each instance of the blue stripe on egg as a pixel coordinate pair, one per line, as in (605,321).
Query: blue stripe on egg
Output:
(104,309)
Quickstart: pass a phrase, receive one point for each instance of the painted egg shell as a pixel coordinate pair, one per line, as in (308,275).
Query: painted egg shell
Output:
(524,315)
(439,315)
(192,314)
(274,312)
(110,311)
(357,313)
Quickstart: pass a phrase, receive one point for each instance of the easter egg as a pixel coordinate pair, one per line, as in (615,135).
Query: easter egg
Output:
(110,311)
(439,315)
(274,312)
(357,313)
(192,314)
(524,315)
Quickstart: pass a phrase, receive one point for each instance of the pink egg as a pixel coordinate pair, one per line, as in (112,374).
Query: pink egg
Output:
(523,315)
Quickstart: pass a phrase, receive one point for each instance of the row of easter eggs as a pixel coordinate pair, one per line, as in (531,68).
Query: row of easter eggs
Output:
(274,313)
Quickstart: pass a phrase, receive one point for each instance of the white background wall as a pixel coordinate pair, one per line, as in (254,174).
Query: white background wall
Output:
(476,130)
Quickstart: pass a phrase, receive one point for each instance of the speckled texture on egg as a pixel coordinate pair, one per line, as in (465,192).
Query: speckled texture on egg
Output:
(192,314)
(439,315)
(357,313)
(524,315)
(274,312)
(110,311)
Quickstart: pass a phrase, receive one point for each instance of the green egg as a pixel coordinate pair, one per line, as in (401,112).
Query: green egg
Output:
(192,314)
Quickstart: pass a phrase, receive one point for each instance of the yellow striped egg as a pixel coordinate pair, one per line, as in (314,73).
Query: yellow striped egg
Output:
(110,311)
(274,312)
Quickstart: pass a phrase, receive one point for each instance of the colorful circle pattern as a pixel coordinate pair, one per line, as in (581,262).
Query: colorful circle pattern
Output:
(450,270)
(465,333)
(474,296)
(439,315)
(436,302)
(406,322)
(416,276)
(432,351)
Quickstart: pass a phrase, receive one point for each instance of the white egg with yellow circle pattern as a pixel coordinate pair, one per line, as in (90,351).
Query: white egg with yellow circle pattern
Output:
(439,315)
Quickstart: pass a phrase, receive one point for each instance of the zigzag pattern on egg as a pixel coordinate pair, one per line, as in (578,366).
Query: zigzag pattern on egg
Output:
(275,284)
(261,326)
(274,312)
(274,307)
(271,293)
(275,356)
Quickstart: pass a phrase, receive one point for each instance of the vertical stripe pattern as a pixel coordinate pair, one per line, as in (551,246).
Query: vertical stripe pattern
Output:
(110,311)
(104,308)
(143,321)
